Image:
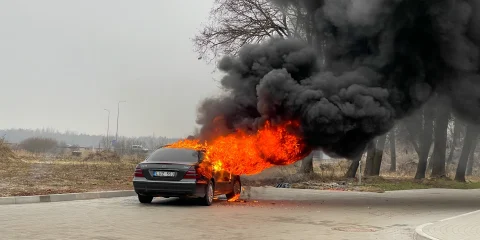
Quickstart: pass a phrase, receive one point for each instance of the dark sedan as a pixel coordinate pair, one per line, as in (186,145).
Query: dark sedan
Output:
(173,172)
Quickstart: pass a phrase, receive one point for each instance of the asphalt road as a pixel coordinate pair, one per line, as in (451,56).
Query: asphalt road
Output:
(268,213)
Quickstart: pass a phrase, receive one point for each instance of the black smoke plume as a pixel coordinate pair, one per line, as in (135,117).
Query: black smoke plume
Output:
(383,59)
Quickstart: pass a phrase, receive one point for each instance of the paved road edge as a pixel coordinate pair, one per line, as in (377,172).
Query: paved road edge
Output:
(421,235)
(65,197)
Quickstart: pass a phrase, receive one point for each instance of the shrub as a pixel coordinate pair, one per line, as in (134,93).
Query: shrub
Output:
(39,145)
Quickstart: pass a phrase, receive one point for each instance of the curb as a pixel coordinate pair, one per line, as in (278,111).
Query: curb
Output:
(421,235)
(65,197)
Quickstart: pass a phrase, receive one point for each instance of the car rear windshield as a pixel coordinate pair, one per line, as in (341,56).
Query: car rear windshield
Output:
(174,155)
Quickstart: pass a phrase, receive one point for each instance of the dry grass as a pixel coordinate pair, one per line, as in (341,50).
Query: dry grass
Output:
(102,156)
(393,184)
(323,172)
(24,173)
(330,175)
(6,153)
(31,174)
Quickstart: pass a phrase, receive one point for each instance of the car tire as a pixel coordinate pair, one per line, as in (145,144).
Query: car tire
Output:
(236,190)
(145,199)
(207,200)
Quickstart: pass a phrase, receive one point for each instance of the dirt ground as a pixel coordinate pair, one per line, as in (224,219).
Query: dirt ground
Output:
(24,173)
(28,174)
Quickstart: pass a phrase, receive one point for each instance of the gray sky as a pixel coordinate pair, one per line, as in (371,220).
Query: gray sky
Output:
(63,62)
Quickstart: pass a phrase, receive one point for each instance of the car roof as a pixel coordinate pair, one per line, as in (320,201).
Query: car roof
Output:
(167,146)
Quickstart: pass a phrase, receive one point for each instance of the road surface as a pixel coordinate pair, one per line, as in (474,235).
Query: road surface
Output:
(268,213)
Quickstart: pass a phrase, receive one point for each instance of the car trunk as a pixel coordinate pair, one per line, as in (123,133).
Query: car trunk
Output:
(165,171)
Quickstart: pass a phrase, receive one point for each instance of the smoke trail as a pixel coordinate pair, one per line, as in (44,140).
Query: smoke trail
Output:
(384,59)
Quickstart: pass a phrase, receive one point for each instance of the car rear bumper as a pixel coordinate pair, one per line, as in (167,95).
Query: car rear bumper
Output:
(169,188)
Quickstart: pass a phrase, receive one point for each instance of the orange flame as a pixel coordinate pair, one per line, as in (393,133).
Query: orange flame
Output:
(243,153)
(235,198)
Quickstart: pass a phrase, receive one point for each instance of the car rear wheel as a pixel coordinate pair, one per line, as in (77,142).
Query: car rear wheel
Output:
(145,199)
(208,198)
(237,189)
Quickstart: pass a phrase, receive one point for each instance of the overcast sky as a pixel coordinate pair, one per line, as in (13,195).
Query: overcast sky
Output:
(63,62)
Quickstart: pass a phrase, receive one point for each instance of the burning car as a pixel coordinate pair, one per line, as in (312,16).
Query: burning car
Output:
(181,172)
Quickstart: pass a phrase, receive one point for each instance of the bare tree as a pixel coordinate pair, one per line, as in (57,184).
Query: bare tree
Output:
(471,159)
(352,170)
(457,127)
(369,162)
(374,156)
(468,143)
(420,134)
(393,153)
(377,159)
(307,164)
(235,23)
(440,143)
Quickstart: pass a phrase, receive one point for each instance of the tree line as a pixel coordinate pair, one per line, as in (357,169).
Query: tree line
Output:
(55,142)
(433,132)
(436,137)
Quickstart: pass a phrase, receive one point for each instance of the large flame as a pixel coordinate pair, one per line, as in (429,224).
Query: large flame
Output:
(246,153)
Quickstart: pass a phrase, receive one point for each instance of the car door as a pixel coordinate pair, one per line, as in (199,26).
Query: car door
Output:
(216,175)
(222,178)
(228,182)
(224,181)
(219,182)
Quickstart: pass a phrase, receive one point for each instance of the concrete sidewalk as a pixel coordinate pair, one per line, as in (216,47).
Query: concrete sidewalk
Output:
(461,227)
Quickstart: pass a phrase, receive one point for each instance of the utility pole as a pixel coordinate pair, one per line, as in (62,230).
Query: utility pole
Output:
(108,128)
(118,116)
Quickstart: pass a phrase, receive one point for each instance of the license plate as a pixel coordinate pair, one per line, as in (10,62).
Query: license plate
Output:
(164,174)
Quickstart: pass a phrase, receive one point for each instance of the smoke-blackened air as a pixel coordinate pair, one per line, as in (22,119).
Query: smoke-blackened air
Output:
(383,59)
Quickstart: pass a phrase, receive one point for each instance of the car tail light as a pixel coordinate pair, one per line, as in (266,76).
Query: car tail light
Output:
(138,172)
(191,173)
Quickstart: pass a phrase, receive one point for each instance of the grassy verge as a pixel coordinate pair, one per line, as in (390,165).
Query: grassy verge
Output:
(24,174)
(393,184)
(377,184)
(331,177)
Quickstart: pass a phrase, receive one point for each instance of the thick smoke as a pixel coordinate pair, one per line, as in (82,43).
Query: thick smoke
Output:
(383,59)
